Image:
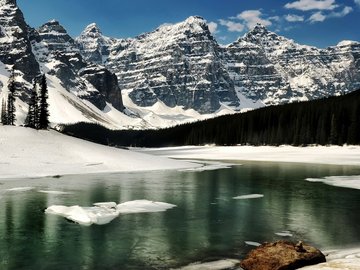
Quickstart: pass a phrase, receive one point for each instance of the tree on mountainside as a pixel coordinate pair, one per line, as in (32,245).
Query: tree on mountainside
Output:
(43,105)
(3,113)
(11,117)
(32,119)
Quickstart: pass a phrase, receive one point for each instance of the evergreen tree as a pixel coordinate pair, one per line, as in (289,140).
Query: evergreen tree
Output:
(11,117)
(43,105)
(33,113)
(4,113)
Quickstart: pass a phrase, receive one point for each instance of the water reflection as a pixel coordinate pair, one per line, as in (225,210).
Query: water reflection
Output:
(206,223)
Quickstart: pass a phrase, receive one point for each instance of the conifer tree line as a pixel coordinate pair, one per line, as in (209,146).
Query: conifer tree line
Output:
(38,113)
(333,120)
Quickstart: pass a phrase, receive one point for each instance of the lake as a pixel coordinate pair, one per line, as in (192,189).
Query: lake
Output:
(206,224)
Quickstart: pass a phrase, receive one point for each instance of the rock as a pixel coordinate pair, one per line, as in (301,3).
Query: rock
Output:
(282,255)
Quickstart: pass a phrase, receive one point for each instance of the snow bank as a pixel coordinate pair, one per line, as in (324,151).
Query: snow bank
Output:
(31,153)
(352,181)
(348,259)
(105,212)
(337,155)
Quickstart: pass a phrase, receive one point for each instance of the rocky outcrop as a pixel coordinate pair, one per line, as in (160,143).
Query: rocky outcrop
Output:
(60,56)
(95,47)
(106,83)
(282,255)
(15,48)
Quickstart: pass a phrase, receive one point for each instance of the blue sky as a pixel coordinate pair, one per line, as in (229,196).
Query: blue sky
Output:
(320,23)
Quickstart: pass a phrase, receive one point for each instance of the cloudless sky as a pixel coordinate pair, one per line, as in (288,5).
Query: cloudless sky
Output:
(320,23)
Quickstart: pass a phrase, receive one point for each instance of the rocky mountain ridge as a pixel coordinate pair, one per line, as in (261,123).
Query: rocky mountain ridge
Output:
(176,73)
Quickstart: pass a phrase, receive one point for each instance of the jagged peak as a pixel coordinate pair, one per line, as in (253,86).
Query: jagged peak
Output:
(347,43)
(195,19)
(52,26)
(92,28)
(7,2)
(259,29)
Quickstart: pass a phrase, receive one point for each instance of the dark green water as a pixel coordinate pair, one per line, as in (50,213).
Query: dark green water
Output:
(207,222)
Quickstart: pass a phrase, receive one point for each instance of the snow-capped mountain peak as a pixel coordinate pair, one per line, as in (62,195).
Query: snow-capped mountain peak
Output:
(92,30)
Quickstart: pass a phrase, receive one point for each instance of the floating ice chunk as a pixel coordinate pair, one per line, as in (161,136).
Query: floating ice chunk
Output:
(106,204)
(55,192)
(20,189)
(251,243)
(352,181)
(249,196)
(216,265)
(104,212)
(143,206)
(284,234)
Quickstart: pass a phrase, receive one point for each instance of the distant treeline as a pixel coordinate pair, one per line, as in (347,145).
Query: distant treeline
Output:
(333,120)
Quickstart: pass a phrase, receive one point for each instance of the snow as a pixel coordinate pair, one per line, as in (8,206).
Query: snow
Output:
(336,155)
(352,181)
(31,153)
(216,265)
(347,259)
(346,43)
(19,189)
(284,234)
(249,196)
(252,243)
(105,212)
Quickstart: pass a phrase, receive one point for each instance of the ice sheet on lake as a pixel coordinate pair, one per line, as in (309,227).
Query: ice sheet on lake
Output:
(249,196)
(209,166)
(216,265)
(339,181)
(347,259)
(104,212)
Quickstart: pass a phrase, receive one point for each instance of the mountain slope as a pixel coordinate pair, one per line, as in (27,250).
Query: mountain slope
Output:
(177,73)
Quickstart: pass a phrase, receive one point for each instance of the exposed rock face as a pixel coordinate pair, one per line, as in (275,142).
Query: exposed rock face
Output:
(183,65)
(178,64)
(106,82)
(59,55)
(282,255)
(95,47)
(278,70)
(15,48)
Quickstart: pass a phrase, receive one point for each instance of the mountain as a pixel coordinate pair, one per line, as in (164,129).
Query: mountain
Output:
(174,74)
(277,70)
(78,90)
(182,64)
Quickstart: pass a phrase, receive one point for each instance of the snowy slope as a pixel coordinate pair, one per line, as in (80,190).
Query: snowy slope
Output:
(30,153)
(177,73)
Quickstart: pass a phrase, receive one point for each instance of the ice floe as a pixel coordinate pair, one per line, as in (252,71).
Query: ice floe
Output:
(284,234)
(252,243)
(104,212)
(216,265)
(249,196)
(352,181)
(55,192)
(20,189)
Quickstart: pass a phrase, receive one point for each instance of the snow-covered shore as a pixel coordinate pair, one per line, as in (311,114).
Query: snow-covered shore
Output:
(26,152)
(336,155)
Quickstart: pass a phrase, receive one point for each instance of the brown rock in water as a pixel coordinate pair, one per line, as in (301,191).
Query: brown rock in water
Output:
(282,255)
